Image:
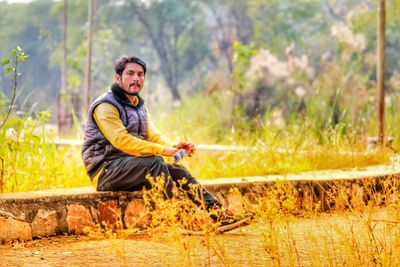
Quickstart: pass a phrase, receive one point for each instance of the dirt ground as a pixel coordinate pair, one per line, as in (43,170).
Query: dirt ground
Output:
(323,240)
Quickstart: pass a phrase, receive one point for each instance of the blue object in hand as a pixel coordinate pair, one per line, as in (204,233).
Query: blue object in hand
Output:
(179,155)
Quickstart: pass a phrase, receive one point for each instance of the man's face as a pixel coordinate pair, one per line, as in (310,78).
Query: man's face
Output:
(132,78)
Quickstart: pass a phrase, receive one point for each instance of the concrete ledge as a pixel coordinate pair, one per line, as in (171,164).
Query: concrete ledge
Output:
(24,216)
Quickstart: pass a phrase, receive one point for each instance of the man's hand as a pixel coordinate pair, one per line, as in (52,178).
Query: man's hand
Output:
(170,151)
(189,147)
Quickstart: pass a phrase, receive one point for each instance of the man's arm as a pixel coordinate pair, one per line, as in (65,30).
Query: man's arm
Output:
(110,124)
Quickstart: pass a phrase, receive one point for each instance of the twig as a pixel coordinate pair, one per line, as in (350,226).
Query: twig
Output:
(1,174)
(385,221)
(14,91)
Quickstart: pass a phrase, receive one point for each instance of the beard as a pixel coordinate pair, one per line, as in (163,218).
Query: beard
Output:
(132,93)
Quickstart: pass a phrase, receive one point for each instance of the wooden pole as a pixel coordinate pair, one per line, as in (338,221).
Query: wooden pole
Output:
(381,72)
(63,85)
(64,59)
(89,55)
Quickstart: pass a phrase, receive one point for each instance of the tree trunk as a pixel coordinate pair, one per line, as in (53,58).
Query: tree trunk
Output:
(173,86)
(225,43)
(167,63)
(91,15)
(63,85)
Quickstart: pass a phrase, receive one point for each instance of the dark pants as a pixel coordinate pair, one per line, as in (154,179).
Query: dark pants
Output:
(129,174)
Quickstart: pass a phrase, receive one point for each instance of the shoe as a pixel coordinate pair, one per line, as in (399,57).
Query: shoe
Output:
(228,217)
(218,222)
(229,220)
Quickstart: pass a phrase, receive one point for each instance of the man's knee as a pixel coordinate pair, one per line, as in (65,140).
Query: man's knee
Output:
(158,167)
(179,172)
(157,163)
(156,160)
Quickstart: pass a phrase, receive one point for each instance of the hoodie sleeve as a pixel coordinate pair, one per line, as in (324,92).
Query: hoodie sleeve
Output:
(110,124)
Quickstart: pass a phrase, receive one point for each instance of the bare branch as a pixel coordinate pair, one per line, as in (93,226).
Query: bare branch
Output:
(331,11)
(14,91)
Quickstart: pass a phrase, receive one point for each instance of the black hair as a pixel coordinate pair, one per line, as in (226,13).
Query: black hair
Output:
(120,64)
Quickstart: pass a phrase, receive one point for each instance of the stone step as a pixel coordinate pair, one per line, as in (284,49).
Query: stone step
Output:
(28,215)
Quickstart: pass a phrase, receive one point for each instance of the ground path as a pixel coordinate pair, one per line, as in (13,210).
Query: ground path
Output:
(327,239)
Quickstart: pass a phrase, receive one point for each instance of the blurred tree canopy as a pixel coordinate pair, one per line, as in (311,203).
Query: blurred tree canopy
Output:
(189,47)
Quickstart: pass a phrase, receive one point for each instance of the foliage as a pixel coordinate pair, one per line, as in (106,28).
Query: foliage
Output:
(303,99)
(363,20)
(296,148)
(279,84)
(185,43)
(242,55)
(210,127)
(19,56)
(29,158)
(358,228)
(33,162)
(176,34)
(278,24)
(30,25)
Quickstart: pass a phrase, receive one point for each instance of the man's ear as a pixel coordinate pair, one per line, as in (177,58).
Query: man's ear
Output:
(117,78)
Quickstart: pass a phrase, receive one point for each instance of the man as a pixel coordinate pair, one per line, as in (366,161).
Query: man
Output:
(122,147)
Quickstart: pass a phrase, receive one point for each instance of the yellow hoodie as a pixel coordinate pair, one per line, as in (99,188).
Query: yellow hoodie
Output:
(110,124)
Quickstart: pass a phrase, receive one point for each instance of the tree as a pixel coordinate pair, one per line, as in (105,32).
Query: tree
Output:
(278,24)
(30,26)
(231,24)
(64,72)
(175,31)
(11,66)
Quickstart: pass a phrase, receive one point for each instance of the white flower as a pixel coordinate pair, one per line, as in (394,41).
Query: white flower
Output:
(300,91)
(343,33)
(11,134)
(265,63)
(277,119)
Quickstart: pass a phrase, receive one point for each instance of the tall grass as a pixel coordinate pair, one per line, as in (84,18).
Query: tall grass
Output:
(302,145)
(358,230)
(33,162)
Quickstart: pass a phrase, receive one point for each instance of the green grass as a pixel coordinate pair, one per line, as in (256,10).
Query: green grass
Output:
(32,165)
(33,162)
(265,162)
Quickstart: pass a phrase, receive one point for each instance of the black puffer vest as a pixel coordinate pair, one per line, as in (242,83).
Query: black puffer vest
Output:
(96,149)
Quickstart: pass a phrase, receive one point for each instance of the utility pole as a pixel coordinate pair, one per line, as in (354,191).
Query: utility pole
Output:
(88,79)
(380,70)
